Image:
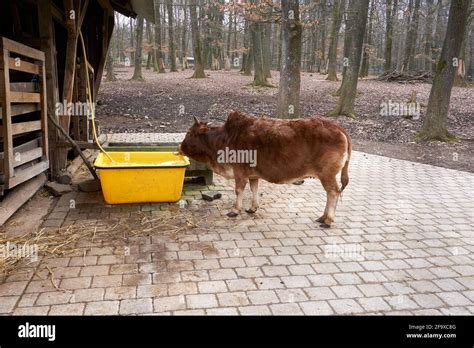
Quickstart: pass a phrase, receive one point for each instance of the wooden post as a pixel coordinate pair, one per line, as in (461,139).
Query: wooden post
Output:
(74,18)
(6,115)
(48,46)
(107,30)
(44,109)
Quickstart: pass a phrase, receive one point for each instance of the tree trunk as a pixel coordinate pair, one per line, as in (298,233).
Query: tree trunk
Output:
(158,43)
(171,44)
(460,76)
(346,49)
(257,47)
(198,65)
(357,21)
(229,34)
(409,59)
(364,69)
(184,37)
(437,38)
(110,67)
(389,14)
(149,41)
(266,39)
(234,41)
(137,74)
(427,63)
(339,6)
(470,70)
(132,54)
(323,63)
(291,33)
(434,123)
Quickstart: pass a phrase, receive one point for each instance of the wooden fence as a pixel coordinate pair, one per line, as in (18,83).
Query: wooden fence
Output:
(23,114)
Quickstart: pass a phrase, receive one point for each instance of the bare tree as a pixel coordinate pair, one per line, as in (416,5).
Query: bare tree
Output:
(171,44)
(434,123)
(428,35)
(356,25)
(137,74)
(158,42)
(110,66)
(389,15)
(338,9)
(367,46)
(409,59)
(198,65)
(291,33)
(183,36)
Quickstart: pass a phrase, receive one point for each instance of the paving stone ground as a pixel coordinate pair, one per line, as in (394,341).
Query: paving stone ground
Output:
(402,243)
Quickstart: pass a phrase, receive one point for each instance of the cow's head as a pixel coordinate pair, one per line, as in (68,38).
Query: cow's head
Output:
(194,144)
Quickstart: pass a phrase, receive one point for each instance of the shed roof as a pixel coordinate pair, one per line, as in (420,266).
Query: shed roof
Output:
(132,8)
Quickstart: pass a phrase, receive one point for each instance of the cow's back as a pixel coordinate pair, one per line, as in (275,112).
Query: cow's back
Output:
(287,149)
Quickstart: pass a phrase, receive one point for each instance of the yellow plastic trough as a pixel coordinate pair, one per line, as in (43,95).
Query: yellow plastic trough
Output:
(141,177)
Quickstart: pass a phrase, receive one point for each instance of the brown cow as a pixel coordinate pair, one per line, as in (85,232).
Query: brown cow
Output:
(247,148)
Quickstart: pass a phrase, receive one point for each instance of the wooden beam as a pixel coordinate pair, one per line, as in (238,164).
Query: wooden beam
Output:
(58,15)
(25,157)
(19,196)
(44,110)
(30,145)
(48,46)
(105,4)
(25,174)
(24,97)
(25,127)
(23,87)
(21,49)
(107,30)
(6,131)
(73,26)
(21,109)
(24,66)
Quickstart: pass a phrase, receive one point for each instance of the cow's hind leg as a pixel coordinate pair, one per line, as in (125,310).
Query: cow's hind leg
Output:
(325,214)
(240,184)
(254,189)
(332,189)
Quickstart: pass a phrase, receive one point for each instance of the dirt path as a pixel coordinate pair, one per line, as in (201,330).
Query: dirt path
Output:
(168,102)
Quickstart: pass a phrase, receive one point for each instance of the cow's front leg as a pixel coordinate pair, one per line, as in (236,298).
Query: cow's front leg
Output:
(239,195)
(254,189)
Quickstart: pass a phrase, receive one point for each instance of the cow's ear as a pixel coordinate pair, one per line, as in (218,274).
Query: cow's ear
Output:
(196,121)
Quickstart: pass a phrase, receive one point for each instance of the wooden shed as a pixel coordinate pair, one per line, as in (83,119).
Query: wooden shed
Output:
(42,66)
(41,63)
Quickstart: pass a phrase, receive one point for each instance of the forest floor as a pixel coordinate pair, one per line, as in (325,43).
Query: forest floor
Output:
(167,103)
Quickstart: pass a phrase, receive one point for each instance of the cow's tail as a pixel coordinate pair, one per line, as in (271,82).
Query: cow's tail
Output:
(345,169)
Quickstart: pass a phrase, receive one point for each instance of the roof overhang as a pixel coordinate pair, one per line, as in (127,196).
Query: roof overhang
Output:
(132,8)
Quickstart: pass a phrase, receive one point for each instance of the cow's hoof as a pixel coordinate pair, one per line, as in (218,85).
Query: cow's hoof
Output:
(232,214)
(250,211)
(323,225)
(321,219)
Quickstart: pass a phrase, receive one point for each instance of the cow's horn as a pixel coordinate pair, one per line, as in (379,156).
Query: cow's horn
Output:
(196,120)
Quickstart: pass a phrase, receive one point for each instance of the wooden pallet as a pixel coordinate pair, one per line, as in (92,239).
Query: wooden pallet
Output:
(23,114)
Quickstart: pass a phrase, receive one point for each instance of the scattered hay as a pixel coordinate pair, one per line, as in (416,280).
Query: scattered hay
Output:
(79,238)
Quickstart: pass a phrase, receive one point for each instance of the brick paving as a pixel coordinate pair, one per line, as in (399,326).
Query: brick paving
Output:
(402,243)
